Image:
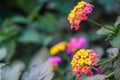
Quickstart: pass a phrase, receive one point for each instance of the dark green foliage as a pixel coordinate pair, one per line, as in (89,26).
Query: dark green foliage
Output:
(113,33)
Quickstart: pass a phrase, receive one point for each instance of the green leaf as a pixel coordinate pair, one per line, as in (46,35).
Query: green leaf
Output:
(29,36)
(18,19)
(115,40)
(8,32)
(27,5)
(104,31)
(10,50)
(47,23)
(32,36)
(118,29)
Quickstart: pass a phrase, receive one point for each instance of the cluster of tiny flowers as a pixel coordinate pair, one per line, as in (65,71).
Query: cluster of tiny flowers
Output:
(75,44)
(82,62)
(58,47)
(55,60)
(79,13)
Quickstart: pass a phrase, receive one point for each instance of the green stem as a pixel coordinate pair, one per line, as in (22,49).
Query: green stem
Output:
(93,67)
(109,75)
(111,59)
(91,21)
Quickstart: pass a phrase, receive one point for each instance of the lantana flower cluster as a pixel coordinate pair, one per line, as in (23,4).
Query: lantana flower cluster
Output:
(79,13)
(74,44)
(82,62)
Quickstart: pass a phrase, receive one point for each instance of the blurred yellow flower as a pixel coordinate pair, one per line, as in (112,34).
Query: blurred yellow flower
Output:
(58,47)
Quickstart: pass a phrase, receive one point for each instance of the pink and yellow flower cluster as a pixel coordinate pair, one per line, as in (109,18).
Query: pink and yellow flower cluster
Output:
(82,62)
(79,13)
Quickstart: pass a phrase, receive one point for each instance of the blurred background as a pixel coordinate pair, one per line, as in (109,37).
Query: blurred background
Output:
(32,27)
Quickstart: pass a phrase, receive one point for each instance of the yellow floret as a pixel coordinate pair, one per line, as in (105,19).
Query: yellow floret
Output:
(82,50)
(75,56)
(81,61)
(71,15)
(84,54)
(79,53)
(76,7)
(73,62)
(87,61)
(82,3)
(73,11)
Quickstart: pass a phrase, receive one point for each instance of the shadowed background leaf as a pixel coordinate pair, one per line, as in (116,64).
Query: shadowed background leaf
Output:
(116,66)
(96,77)
(3,53)
(112,52)
(40,68)
(13,71)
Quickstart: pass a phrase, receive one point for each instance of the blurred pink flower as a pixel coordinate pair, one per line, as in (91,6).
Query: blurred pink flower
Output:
(98,70)
(90,73)
(55,60)
(74,44)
